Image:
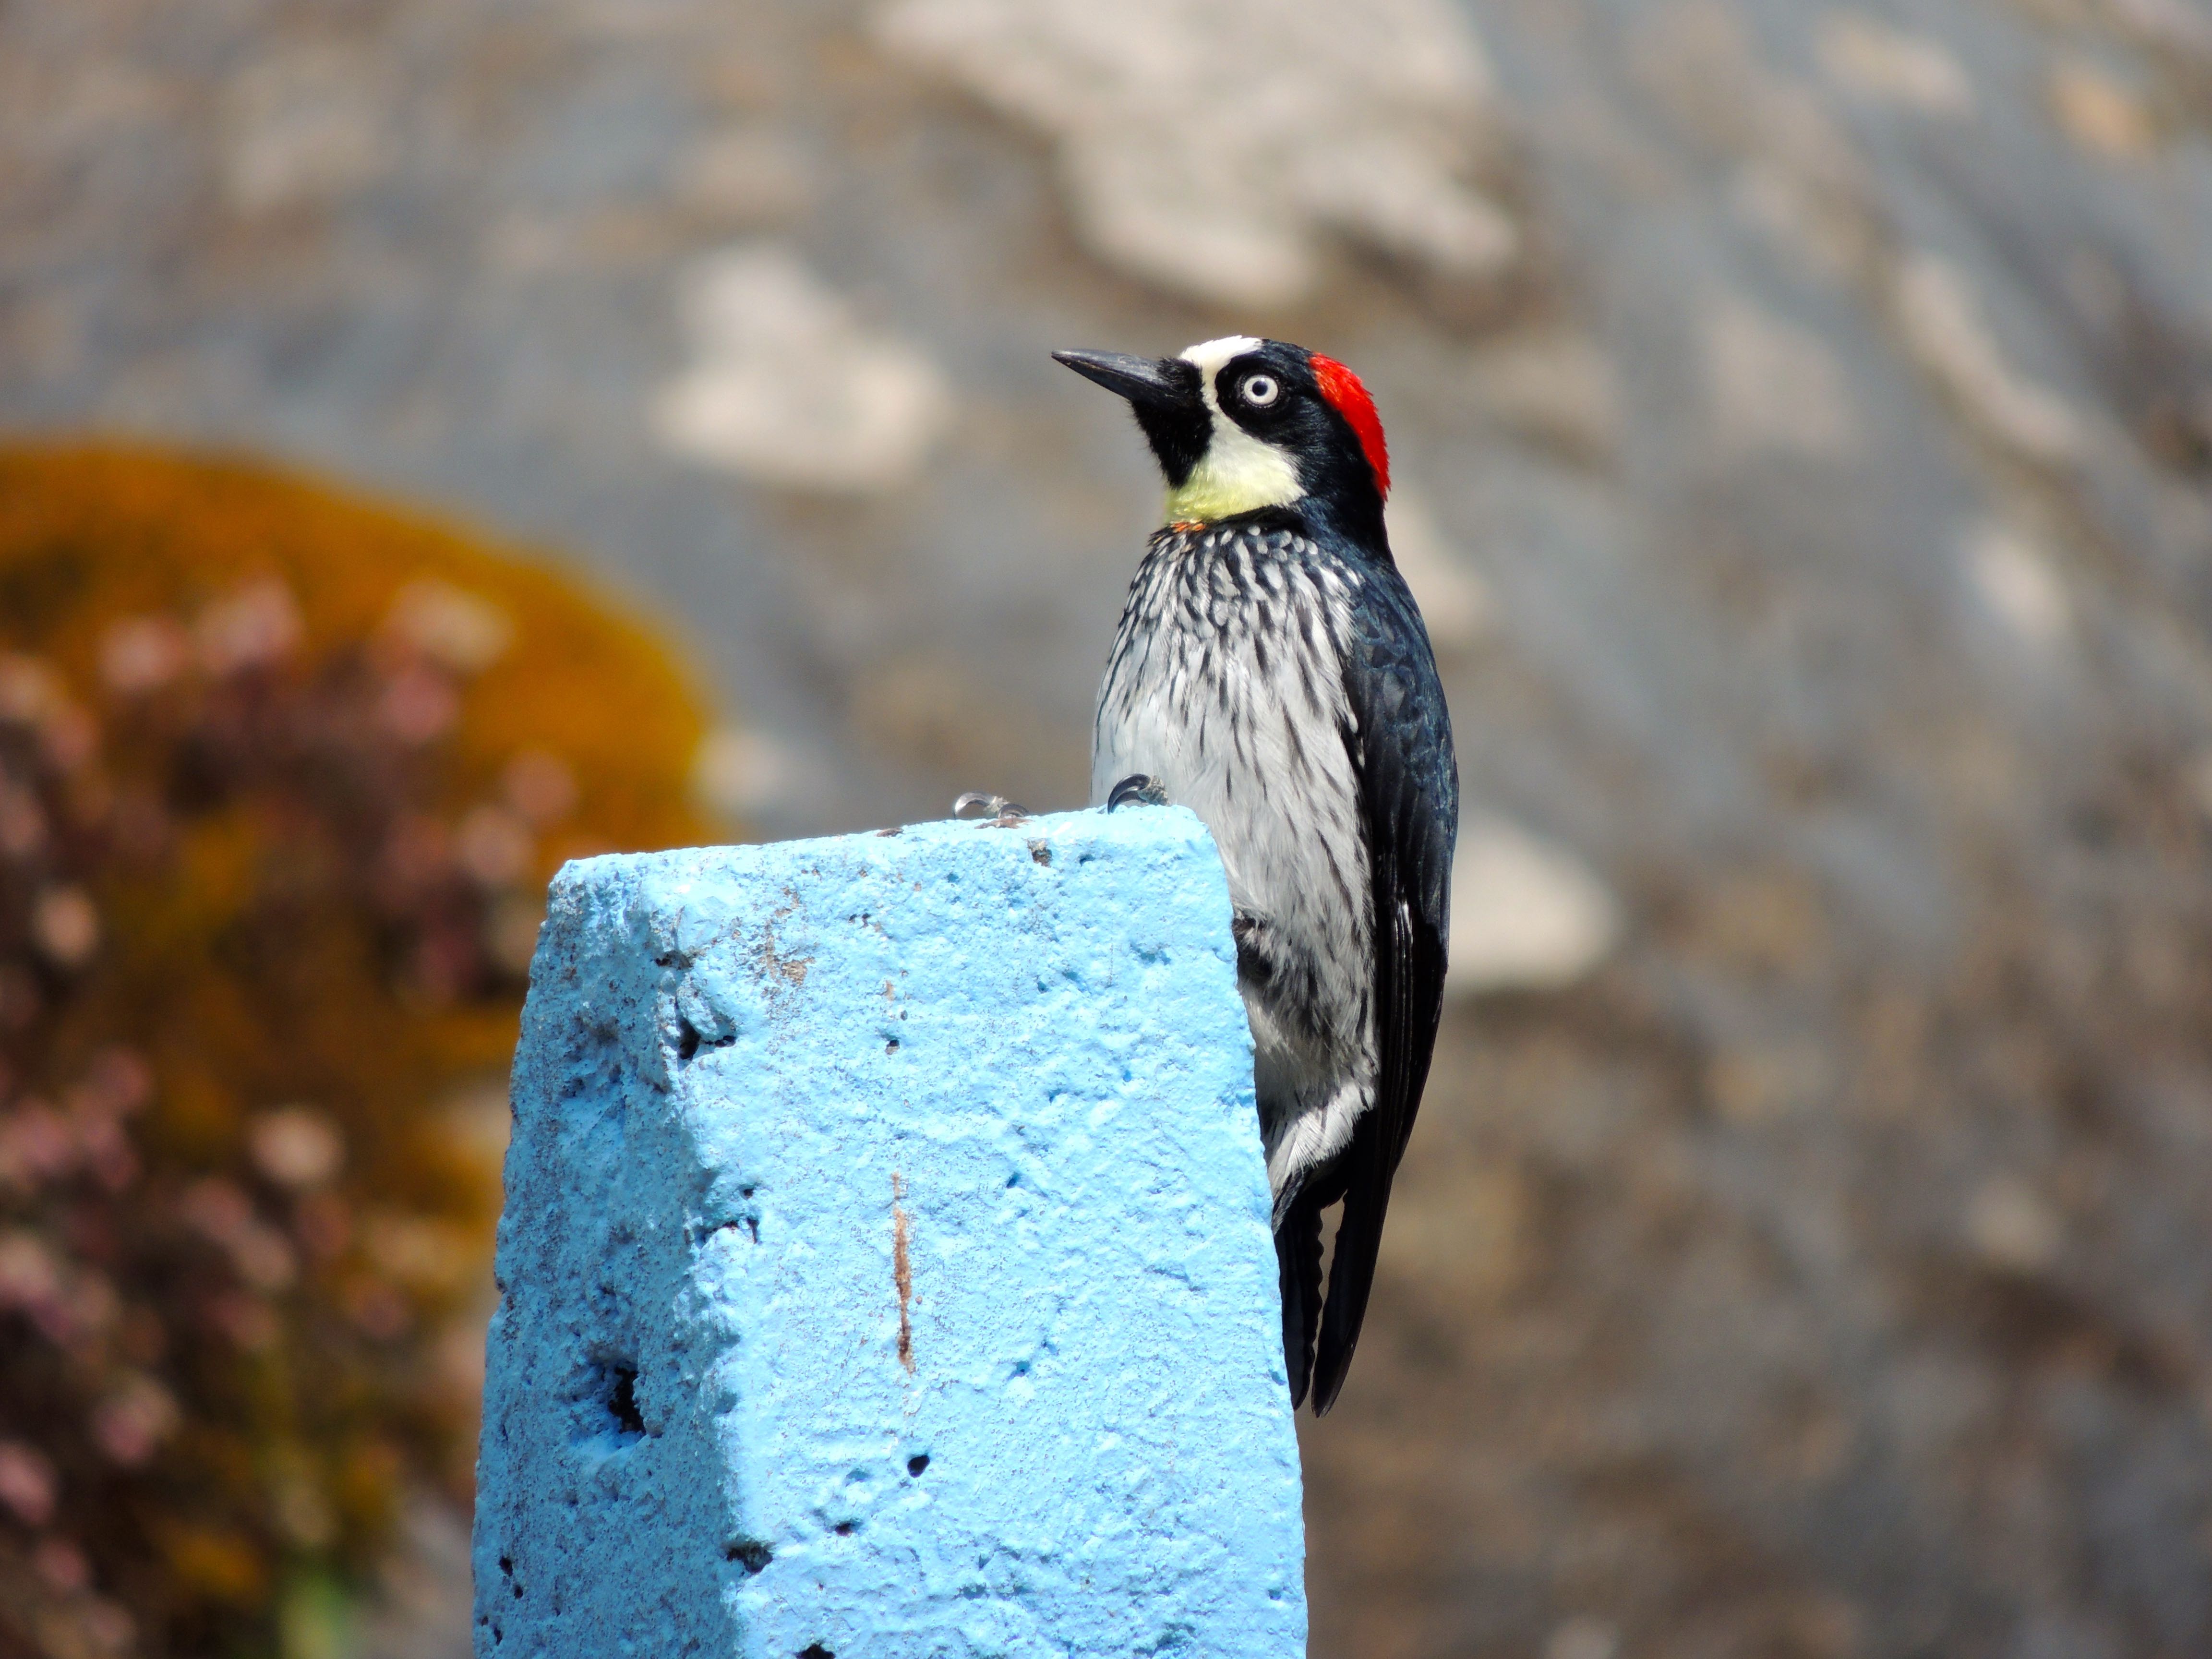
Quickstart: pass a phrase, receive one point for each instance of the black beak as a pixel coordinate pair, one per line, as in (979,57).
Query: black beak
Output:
(1142,381)
(1164,396)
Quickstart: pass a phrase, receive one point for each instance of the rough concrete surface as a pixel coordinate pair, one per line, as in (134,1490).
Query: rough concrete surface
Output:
(885,1266)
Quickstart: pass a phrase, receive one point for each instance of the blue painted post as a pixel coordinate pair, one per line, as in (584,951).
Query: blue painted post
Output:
(886,1268)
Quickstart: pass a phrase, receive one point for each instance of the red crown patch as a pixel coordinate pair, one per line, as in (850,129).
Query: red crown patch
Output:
(1349,399)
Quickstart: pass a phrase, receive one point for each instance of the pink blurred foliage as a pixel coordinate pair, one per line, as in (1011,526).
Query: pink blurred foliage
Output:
(115,1265)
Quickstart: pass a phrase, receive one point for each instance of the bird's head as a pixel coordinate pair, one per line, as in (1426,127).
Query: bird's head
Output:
(1240,424)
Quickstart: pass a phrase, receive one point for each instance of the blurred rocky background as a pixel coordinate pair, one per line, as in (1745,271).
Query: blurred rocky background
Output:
(1804,414)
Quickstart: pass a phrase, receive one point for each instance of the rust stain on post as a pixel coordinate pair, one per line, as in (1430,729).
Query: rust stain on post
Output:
(902,1271)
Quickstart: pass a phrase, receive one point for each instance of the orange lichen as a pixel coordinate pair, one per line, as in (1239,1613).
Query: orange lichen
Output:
(282,777)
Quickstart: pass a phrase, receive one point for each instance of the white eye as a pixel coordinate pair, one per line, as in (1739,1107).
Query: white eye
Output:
(1259,390)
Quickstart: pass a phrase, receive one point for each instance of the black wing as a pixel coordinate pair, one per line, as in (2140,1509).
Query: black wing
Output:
(1409,805)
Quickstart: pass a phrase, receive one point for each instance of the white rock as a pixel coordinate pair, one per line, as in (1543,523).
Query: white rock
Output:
(1556,387)
(2172,24)
(1774,387)
(754,174)
(1526,914)
(306,125)
(2100,111)
(1582,1636)
(746,774)
(1864,55)
(787,386)
(1823,227)
(1943,325)
(2009,1226)
(2021,585)
(1211,146)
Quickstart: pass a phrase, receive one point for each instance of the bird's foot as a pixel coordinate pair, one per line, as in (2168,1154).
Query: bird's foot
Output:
(1137,789)
(1002,813)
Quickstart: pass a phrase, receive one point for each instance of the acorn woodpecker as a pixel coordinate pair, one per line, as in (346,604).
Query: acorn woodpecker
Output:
(1272,673)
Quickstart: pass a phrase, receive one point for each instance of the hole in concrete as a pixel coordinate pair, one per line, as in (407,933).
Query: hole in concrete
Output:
(687,1039)
(621,1401)
(917,1463)
(892,1048)
(750,1553)
(506,1565)
(816,1650)
(615,1385)
(846,1528)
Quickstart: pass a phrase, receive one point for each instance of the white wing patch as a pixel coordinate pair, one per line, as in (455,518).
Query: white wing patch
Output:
(1238,473)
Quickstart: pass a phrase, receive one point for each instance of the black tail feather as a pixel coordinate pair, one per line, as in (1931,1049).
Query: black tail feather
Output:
(1352,1268)
(1298,1257)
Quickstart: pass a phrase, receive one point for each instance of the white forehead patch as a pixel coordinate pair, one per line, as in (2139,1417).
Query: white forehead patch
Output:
(1210,354)
(1237,472)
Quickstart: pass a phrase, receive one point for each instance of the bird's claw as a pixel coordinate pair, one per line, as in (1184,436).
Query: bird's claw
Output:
(1002,813)
(1137,789)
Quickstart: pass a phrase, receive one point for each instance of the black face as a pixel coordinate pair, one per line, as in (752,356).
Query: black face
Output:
(1270,393)
(1176,423)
